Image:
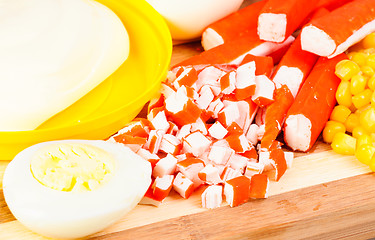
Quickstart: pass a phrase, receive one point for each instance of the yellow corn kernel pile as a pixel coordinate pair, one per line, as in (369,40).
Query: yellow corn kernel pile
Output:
(351,127)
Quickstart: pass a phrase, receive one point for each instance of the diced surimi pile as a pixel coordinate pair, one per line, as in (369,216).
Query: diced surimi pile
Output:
(201,132)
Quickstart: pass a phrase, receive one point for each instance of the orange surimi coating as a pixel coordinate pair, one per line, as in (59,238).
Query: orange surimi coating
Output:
(189,114)
(275,115)
(264,65)
(128,139)
(187,77)
(150,199)
(232,26)
(333,34)
(237,190)
(234,51)
(313,105)
(162,186)
(278,156)
(259,186)
(331,4)
(279,19)
(238,143)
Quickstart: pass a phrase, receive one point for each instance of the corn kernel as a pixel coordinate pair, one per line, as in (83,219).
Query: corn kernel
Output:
(367,119)
(370,60)
(346,69)
(373,99)
(358,57)
(362,109)
(343,95)
(340,113)
(369,41)
(358,131)
(368,51)
(351,122)
(330,130)
(358,83)
(362,99)
(372,164)
(343,143)
(364,139)
(367,71)
(371,83)
(365,153)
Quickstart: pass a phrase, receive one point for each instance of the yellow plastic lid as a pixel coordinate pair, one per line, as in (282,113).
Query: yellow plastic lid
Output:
(117,100)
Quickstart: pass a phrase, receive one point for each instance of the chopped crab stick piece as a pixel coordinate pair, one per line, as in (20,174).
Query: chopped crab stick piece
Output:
(128,139)
(252,134)
(160,121)
(220,154)
(190,167)
(170,144)
(334,33)
(228,82)
(238,162)
(253,168)
(154,140)
(205,98)
(150,199)
(139,127)
(187,77)
(264,90)
(238,142)
(162,186)
(212,197)
(233,52)
(259,186)
(275,116)
(232,26)
(279,19)
(147,155)
(237,190)
(183,185)
(313,105)
(210,175)
(245,81)
(196,143)
(181,109)
(229,173)
(207,74)
(331,4)
(165,166)
(217,130)
(278,161)
(264,65)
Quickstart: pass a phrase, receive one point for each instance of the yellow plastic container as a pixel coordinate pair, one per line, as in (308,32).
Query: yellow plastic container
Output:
(116,101)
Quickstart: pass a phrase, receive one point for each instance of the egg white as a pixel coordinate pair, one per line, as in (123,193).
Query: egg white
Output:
(62,214)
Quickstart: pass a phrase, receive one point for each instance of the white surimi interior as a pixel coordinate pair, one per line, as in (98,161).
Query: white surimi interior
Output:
(297,132)
(272,27)
(289,76)
(211,39)
(317,41)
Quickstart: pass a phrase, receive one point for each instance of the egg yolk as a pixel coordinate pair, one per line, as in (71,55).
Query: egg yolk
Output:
(72,167)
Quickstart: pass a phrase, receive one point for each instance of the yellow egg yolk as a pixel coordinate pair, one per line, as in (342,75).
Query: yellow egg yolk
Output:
(72,167)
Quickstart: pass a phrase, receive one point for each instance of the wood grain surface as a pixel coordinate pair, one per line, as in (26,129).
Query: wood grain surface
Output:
(323,196)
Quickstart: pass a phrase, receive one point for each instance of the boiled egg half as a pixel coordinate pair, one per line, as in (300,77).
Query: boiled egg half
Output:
(74,188)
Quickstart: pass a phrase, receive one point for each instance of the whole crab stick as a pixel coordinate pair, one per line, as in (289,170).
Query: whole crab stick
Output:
(331,4)
(233,52)
(279,19)
(232,26)
(290,73)
(313,105)
(332,34)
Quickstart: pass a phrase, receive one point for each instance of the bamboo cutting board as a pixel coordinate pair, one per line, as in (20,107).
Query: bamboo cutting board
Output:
(323,196)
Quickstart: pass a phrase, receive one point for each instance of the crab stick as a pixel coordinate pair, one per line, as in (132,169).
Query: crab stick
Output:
(162,186)
(313,105)
(183,185)
(212,197)
(259,186)
(165,166)
(190,167)
(237,190)
(331,4)
(233,52)
(279,19)
(332,34)
(275,115)
(232,26)
(210,174)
